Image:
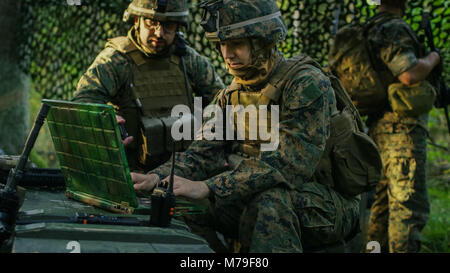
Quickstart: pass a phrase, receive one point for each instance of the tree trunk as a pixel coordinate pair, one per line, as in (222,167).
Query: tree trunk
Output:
(14,84)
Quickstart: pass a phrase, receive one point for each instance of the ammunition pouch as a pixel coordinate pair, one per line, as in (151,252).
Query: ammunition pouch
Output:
(413,100)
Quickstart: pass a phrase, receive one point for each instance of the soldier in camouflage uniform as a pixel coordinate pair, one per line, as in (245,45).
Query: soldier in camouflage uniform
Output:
(268,200)
(148,72)
(401,206)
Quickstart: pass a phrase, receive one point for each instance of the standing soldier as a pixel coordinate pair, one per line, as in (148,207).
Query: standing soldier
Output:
(145,74)
(268,200)
(397,111)
(401,208)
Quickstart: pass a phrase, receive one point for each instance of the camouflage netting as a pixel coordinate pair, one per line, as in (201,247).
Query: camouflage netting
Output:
(61,40)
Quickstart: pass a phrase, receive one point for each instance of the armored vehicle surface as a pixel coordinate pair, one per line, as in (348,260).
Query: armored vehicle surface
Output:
(41,211)
(50,222)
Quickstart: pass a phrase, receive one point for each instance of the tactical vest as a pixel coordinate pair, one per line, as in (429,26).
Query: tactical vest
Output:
(238,96)
(157,82)
(156,85)
(351,162)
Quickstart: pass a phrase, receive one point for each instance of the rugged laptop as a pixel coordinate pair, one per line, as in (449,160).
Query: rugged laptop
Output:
(92,158)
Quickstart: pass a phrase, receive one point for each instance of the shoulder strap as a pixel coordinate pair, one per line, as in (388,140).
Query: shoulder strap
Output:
(378,20)
(122,44)
(125,46)
(293,65)
(290,66)
(286,70)
(343,99)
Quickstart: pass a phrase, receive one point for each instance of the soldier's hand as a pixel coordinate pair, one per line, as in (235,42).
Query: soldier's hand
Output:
(188,188)
(121,121)
(439,66)
(144,182)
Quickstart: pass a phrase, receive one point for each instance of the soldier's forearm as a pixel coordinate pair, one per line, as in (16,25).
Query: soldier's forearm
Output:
(89,96)
(421,70)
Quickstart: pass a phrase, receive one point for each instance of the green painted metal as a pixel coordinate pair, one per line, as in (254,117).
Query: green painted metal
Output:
(88,145)
(43,206)
(89,148)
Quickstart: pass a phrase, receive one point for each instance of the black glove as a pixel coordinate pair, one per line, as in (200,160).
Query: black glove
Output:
(439,67)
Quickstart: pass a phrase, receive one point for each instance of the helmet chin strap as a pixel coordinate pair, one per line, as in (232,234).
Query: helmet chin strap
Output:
(262,62)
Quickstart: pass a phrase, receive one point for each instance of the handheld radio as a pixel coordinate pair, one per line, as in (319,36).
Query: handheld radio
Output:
(163,200)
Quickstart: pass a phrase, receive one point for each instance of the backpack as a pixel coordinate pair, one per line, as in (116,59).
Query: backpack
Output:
(351,60)
(351,162)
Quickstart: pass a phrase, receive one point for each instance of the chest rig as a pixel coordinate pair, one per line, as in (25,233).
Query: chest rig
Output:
(155,87)
(350,162)
(236,94)
(158,84)
(251,102)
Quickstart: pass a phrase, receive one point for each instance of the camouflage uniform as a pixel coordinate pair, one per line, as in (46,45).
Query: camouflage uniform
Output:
(401,208)
(110,77)
(270,201)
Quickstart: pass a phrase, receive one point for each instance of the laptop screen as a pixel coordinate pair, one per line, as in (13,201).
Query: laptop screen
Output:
(91,155)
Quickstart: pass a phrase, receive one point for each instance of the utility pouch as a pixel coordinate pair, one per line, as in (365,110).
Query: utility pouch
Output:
(351,162)
(154,133)
(356,165)
(158,134)
(413,100)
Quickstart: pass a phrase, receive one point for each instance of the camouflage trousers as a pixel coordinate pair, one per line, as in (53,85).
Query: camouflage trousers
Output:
(280,220)
(401,208)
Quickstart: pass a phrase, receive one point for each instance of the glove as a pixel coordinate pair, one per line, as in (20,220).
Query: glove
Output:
(439,67)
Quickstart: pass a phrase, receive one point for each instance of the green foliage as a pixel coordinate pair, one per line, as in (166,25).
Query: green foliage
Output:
(61,41)
(43,153)
(436,232)
(439,153)
(14,108)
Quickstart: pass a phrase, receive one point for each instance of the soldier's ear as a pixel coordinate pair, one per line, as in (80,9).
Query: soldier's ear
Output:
(218,48)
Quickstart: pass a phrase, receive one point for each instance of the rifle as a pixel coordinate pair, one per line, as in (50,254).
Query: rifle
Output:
(38,177)
(9,201)
(336,14)
(163,200)
(92,219)
(436,78)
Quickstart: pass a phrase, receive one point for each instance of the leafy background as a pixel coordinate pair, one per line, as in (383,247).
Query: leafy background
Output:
(60,41)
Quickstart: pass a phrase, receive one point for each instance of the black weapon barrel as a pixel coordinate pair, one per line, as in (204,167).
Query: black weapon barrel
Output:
(31,139)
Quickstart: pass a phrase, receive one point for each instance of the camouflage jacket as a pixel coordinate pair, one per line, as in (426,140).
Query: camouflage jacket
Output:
(109,75)
(306,105)
(398,49)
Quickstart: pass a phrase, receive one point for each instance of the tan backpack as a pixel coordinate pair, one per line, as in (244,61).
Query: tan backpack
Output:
(351,60)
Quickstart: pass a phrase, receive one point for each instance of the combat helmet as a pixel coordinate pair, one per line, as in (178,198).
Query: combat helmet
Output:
(401,4)
(161,10)
(230,19)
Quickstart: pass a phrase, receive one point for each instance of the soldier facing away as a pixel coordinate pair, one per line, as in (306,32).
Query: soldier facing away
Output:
(146,73)
(268,200)
(401,207)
